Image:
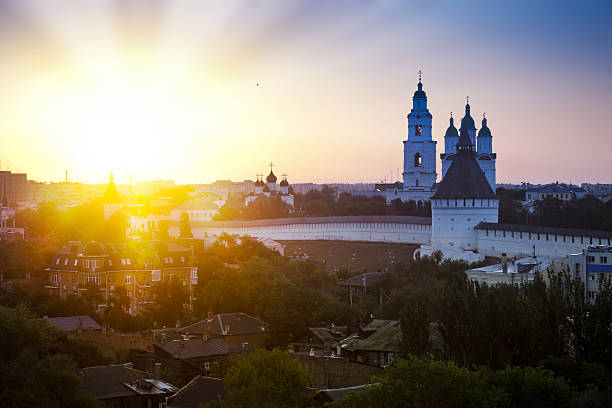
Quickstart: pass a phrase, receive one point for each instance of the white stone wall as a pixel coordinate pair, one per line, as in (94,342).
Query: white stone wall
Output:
(453,221)
(494,243)
(371,232)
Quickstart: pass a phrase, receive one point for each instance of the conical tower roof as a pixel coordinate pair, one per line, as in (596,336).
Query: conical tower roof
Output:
(111,195)
(464,178)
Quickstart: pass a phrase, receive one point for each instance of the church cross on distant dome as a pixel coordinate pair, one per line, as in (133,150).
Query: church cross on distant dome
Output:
(451,114)
(271,165)
(467,100)
(420,75)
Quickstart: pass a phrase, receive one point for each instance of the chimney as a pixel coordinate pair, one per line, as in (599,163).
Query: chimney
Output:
(227,329)
(157,371)
(504,262)
(80,328)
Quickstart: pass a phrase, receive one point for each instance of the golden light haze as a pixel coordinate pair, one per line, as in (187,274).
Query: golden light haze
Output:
(170,89)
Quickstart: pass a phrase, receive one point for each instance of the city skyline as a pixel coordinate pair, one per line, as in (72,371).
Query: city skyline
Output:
(192,92)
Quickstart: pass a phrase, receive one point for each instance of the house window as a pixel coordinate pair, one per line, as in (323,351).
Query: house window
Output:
(110,263)
(128,279)
(577,268)
(54,278)
(156,276)
(66,261)
(128,261)
(171,259)
(590,259)
(603,259)
(122,261)
(182,259)
(75,262)
(57,261)
(418,130)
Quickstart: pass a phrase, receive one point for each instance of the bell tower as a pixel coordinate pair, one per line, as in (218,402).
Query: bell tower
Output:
(419,149)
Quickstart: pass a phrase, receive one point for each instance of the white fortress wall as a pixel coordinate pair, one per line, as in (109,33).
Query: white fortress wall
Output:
(554,244)
(397,229)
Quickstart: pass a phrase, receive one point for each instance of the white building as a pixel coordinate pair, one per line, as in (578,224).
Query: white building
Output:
(515,272)
(558,190)
(463,199)
(271,189)
(483,146)
(593,266)
(198,209)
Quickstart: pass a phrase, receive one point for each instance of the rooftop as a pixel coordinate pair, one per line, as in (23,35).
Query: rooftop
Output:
(200,390)
(196,347)
(74,323)
(226,324)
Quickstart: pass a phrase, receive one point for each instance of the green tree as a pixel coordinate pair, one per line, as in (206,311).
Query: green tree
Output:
(423,383)
(37,364)
(184,226)
(266,379)
(91,295)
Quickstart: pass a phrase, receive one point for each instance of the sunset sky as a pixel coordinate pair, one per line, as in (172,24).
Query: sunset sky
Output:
(169,89)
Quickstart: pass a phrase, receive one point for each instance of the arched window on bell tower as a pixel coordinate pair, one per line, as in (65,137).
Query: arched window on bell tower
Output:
(417,160)
(418,130)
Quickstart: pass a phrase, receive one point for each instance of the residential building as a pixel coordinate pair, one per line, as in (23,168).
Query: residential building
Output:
(238,329)
(113,265)
(375,344)
(593,266)
(517,272)
(122,386)
(564,192)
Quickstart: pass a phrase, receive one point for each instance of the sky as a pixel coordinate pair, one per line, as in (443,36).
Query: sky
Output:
(197,91)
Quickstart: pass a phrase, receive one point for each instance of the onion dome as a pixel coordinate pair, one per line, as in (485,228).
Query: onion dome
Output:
(464,178)
(420,93)
(284,183)
(452,130)
(484,130)
(259,182)
(467,121)
(271,177)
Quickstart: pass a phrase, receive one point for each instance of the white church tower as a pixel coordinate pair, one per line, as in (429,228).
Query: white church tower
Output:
(486,157)
(419,150)
(484,145)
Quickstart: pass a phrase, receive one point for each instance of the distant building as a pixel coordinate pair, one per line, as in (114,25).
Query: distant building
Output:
(113,265)
(376,344)
(593,266)
(271,190)
(14,187)
(561,191)
(111,202)
(597,189)
(516,272)
(198,209)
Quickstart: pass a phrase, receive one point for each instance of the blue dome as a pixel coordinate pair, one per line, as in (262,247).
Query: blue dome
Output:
(467,122)
(420,93)
(484,130)
(452,130)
